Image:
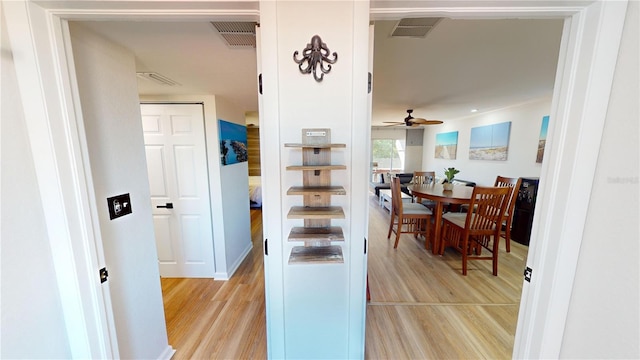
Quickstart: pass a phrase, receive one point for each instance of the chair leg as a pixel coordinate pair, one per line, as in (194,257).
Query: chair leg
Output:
(390,226)
(427,233)
(398,232)
(465,254)
(443,238)
(496,246)
(507,235)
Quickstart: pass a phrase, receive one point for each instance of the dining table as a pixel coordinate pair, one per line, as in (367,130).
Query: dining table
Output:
(436,192)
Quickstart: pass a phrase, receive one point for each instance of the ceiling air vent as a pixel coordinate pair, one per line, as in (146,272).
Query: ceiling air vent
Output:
(237,34)
(414,27)
(156,78)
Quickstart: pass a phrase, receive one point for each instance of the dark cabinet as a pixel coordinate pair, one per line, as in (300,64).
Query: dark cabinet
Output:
(523,212)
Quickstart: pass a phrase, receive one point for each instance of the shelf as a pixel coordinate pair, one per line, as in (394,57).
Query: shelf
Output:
(316,167)
(315,146)
(311,190)
(324,212)
(317,234)
(333,233)
(316,255)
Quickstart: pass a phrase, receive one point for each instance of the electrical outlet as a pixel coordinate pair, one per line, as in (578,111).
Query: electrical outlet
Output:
(119,206)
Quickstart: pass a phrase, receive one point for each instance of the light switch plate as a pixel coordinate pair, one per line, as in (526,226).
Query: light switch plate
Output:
(119,205)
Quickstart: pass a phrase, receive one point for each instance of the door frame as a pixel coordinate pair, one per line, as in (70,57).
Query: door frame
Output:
(40,42)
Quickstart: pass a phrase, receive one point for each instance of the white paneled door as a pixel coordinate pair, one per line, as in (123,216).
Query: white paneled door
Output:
(178,180)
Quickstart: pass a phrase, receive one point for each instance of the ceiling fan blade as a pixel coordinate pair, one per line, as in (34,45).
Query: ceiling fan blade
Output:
(426,122)
(393,122)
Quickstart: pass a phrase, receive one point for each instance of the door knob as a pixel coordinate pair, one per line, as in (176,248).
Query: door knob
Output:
(166,206)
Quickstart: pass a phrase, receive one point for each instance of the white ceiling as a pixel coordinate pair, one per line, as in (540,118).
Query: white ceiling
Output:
(458,66)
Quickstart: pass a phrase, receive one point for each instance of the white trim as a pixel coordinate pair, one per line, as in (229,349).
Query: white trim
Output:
(227,275)
(359,174)
(104,299)
(167,354)
(590,50)
(269,119)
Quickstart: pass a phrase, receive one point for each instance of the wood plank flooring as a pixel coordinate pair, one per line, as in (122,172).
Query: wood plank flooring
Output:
(421,306)
(208,319)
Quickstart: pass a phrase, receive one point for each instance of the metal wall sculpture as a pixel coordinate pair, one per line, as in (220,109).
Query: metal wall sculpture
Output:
(315,56)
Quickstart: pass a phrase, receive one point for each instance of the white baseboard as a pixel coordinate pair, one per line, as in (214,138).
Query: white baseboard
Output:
(240,259)
(226,275)
(167,353)
(221,276)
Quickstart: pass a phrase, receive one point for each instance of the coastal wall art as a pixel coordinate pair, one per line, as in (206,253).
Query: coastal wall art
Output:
(446,145)
(233,143)
(542,141)
(490,142)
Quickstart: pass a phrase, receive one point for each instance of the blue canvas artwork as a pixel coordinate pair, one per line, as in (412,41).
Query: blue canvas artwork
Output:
(542,142)
(233,143)
(446,145)
(490,142)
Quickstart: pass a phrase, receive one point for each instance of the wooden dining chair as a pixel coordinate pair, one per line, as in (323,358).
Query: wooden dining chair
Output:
(407,217)
(514,185)
(424,178)
(469,232)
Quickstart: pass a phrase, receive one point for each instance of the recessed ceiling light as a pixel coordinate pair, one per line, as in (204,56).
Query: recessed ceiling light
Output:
(474,110)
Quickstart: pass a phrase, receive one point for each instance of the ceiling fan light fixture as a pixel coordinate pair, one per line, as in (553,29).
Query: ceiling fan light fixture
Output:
(410,121)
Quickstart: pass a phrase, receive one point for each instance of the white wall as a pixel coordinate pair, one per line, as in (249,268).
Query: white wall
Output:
(31,317)
(111,114)
(414,149)
(234,182)
(604,314)
(228,186)
(526,120)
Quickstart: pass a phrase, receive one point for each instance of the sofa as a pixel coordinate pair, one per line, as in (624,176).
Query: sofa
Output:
(463,182)
(384,182)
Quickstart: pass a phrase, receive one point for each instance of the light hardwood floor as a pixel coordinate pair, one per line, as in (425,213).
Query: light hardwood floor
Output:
(421,306)
(209,319)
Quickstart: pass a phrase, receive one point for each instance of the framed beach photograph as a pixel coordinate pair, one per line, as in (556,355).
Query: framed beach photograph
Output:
(542,142)
(446,145)
(233,143)
(490,142)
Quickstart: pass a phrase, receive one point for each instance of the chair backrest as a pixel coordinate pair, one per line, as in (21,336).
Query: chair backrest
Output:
(396,195)
(514,185)
(490,204)
(424,177)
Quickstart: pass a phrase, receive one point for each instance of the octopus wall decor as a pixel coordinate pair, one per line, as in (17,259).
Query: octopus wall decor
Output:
(315,56)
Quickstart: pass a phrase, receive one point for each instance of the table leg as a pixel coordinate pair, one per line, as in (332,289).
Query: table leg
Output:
(437,227)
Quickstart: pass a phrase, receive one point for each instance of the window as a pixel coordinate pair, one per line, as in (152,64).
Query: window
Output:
(388,154)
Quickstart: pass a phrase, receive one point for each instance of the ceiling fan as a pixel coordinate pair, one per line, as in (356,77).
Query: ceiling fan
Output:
(411,121)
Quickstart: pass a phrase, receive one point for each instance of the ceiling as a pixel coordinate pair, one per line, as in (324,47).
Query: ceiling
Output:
(458,66)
